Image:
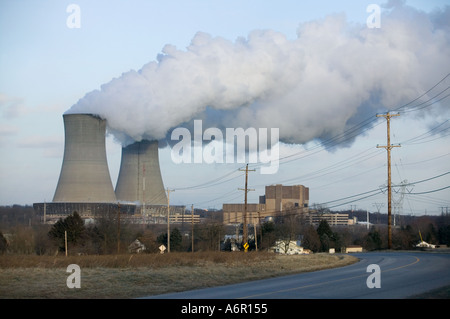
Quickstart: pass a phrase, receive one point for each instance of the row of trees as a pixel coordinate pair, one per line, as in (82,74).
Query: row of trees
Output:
(108,236)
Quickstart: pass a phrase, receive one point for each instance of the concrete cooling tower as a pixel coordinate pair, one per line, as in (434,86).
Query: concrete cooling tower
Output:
(140,175)
(84,176)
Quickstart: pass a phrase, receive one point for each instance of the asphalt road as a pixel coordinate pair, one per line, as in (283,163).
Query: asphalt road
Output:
(402,275)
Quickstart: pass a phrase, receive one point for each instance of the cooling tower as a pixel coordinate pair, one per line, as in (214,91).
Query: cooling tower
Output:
(140,176)
(84,173)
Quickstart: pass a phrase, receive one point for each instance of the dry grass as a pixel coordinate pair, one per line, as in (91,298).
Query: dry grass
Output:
(131,276)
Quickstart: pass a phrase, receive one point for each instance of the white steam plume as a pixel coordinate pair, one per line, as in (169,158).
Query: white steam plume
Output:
(332,76)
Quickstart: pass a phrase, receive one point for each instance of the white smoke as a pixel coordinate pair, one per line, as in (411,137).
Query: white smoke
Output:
(333,75)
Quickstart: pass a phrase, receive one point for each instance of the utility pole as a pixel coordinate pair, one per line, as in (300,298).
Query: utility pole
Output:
(260,228)
(192,226)
(168,218)
(254,232)
(118,228)
(65,241)
(367,219)
(245,231)
(143,191)
(388,147)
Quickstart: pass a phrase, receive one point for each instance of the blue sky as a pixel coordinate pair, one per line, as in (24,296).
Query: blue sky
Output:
(47,67)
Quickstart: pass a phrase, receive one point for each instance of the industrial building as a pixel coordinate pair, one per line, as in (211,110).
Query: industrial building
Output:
(140,175)
(84,173)
(277,199)
(336,219)
(234,213)
(280,198)
(85,184)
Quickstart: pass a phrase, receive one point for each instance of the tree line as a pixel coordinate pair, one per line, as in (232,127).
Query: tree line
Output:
(108,235)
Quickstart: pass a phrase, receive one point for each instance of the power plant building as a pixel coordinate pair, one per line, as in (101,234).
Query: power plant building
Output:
(85,184)
(280,198)
(140,175)
(277,199)
(84,176)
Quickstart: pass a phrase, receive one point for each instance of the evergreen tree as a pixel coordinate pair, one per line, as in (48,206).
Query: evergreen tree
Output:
(268,235)
(175,239)
(324,229)
(73,225)
(311,239)
(444,235)
(326,235)
(373,240)
(3,243)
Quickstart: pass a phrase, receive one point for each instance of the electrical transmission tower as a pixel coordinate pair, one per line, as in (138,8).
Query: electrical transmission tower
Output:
(378,206)
(400,190)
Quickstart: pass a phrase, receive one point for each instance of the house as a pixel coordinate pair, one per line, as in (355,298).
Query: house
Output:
(288,248)
(352,249)
(136,247)
(424,244)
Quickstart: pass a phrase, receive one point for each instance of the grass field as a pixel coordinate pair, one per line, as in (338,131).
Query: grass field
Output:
(132,276)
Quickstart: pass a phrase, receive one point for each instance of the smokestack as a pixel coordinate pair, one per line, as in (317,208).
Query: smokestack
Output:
(84,173)
(140,176)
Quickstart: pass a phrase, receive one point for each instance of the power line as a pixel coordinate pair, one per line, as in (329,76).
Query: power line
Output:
(210,183)
(429,133)
(425,93)
(427,160)
(428,179)
(375,191)
(378,191)
(356,200)
(343,137)
(336,140)
(433,191)
(366,124)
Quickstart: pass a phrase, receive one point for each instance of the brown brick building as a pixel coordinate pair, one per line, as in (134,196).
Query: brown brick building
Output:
(277,198)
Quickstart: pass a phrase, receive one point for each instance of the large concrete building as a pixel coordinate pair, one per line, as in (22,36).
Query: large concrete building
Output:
(280,198)
(333,219)
(140,175)
(277,199)
(234,213)
(85,184)
(84,176)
